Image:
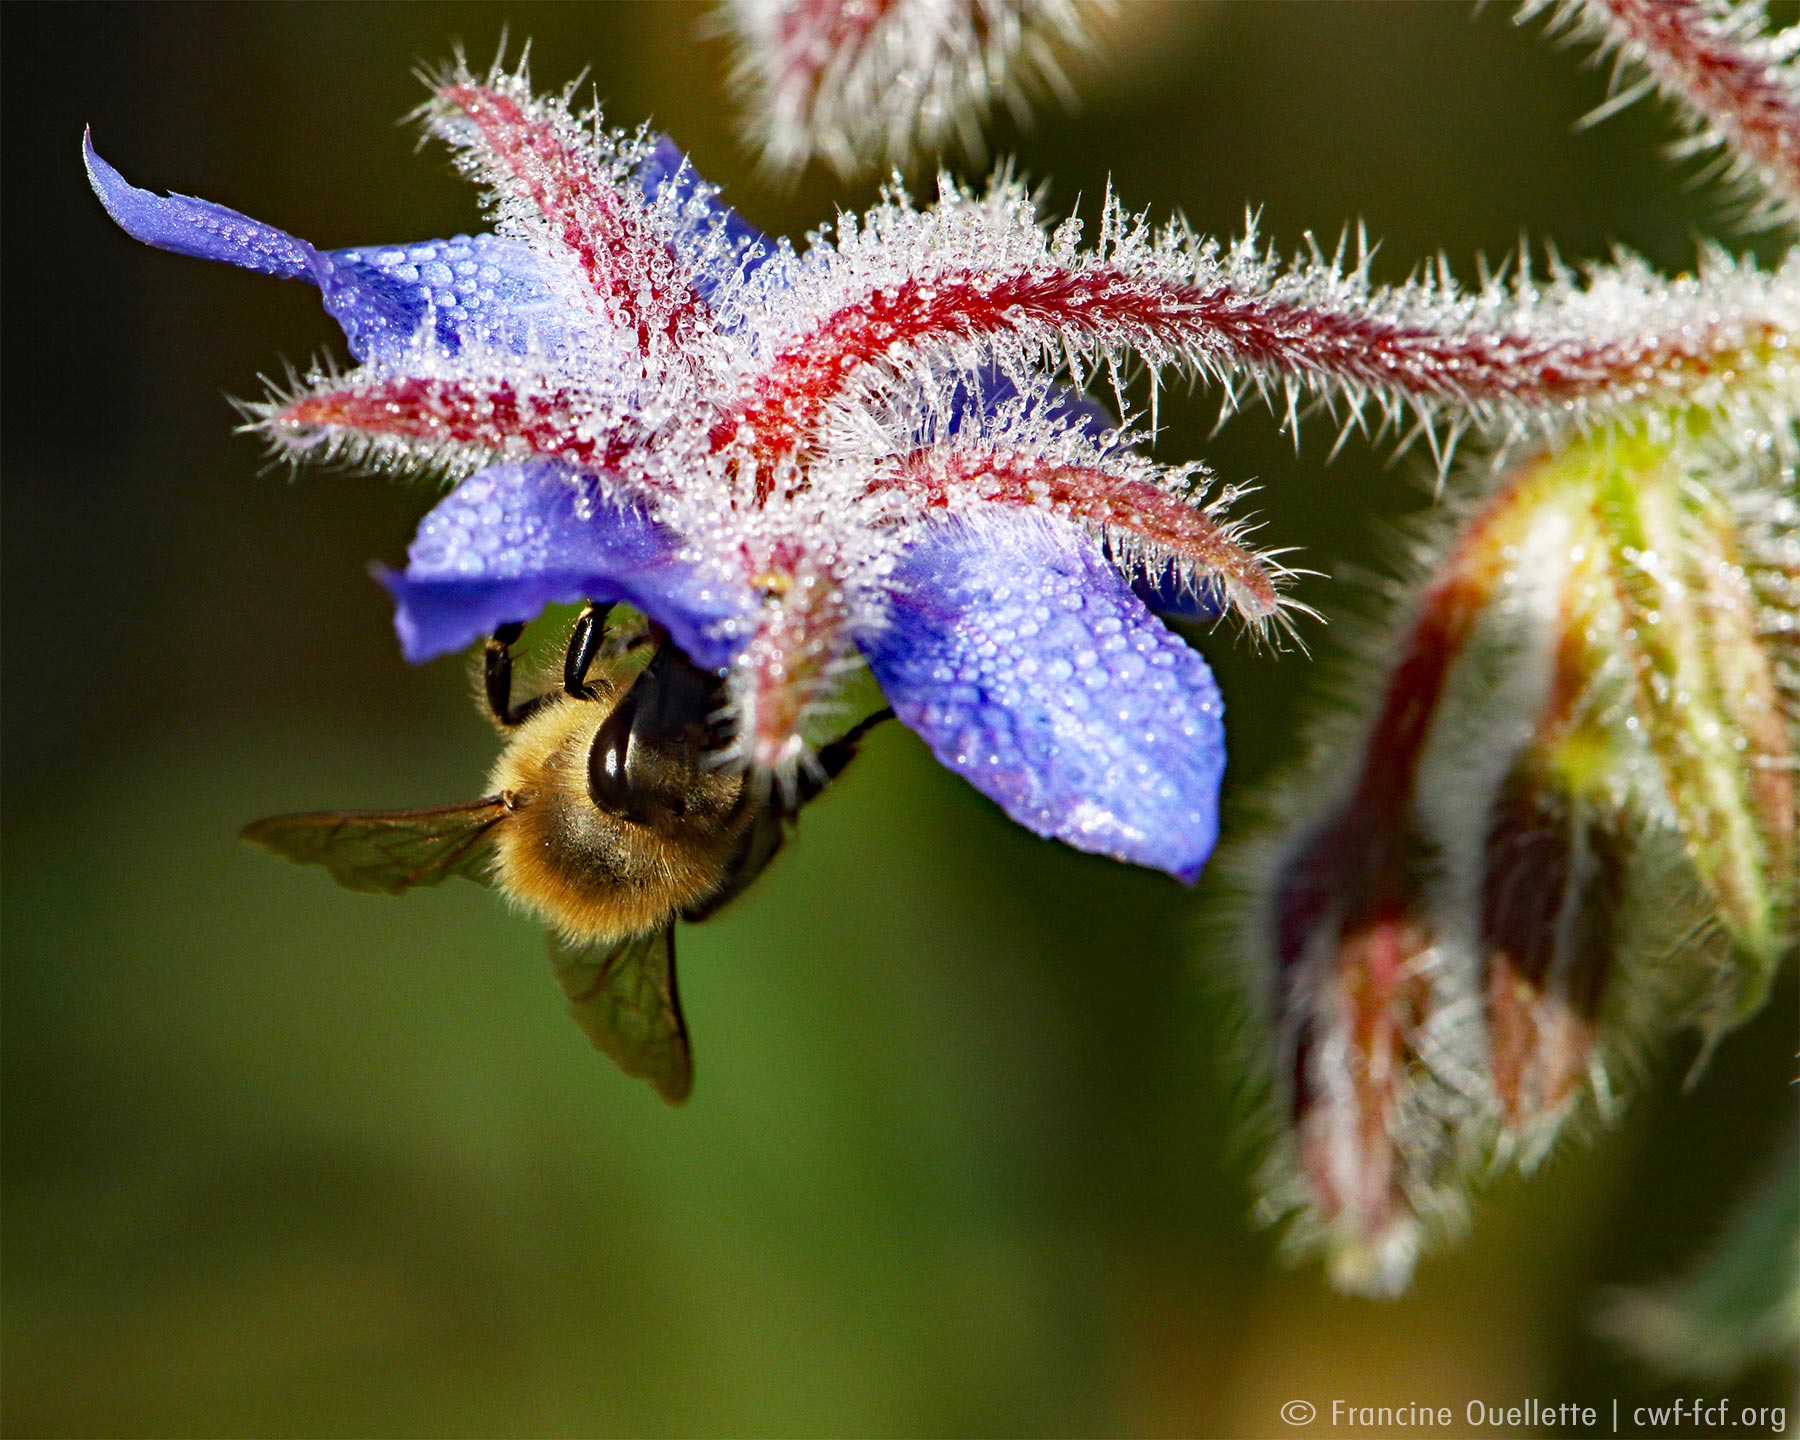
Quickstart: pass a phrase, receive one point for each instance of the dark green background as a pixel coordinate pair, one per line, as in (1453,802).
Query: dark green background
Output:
(285,1160)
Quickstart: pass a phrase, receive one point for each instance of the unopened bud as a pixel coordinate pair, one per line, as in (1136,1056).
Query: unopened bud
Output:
(1356,955)
(1379,999)
(1580,770)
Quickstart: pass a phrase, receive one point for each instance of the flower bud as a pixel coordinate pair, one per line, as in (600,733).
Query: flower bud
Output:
(1356,948)
(1579,775)
(1369,913)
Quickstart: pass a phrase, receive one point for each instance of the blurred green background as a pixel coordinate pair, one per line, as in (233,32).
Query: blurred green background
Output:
(281,1160)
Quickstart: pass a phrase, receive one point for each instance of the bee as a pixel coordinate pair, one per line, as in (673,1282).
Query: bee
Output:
(610,815)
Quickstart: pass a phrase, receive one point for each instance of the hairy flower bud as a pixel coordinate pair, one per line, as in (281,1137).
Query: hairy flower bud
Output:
(1578,773)
(1554,869)
(1370,913)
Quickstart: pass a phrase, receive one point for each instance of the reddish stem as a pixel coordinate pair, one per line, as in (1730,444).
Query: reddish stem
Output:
(491,414)
(1216,323)
(1164,523)
(618,257)
(1740,93)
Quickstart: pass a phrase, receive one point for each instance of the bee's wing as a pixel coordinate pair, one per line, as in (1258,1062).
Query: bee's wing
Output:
(623,995)
(389,850)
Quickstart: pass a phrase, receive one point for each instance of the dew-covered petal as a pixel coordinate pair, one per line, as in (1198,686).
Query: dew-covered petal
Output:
(1028,666)
(982,392)
(474,289)
(518,536)
(478,289)
(665,172)
(194,227)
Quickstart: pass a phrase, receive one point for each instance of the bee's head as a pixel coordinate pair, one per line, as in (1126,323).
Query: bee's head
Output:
(624,817)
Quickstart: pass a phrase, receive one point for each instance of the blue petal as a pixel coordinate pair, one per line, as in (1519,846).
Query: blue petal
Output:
(1031,670)
(518,536)
(481,288)
(748,249)
(988,388)
(478,288)
(195,227)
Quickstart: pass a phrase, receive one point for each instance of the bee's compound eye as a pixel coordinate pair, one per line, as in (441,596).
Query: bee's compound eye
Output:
(609,780)
(650,762)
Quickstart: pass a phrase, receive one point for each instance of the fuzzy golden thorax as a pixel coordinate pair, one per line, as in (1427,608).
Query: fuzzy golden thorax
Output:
(594,874)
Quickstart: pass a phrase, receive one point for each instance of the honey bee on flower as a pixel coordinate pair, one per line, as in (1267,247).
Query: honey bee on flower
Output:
(794,464)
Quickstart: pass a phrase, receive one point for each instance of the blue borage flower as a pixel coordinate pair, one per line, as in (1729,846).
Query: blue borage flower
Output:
(795,463)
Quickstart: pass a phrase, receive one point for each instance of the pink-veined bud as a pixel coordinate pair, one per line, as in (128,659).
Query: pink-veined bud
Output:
(1555,870)
(1358,990)
(1371,913)
(1553,889)
(864,82)
(1579,779)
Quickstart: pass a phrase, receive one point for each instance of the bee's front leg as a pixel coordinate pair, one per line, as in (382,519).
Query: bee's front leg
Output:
(496,674)
(584,645)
